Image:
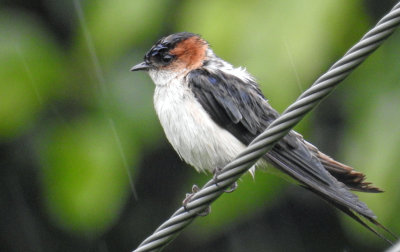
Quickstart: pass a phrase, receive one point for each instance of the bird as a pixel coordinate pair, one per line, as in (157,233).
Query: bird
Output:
(210,111)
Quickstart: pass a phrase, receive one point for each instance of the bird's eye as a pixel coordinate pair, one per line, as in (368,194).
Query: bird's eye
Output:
(167,58)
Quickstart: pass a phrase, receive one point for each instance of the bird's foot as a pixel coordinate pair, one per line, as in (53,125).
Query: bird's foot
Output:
(189,196)
(229,189)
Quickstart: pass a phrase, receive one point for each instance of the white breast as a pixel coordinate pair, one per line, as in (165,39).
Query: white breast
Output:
(190,130)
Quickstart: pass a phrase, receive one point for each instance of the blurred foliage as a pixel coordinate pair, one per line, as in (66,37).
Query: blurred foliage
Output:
(65,86)
(31,66)
(78,160)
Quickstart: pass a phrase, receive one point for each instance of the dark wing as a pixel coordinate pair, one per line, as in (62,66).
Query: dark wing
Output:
(241,108)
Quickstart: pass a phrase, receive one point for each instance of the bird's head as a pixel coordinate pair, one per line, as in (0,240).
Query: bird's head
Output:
(179,52)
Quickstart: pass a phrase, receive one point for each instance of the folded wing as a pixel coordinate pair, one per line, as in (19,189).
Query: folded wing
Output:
(238,105)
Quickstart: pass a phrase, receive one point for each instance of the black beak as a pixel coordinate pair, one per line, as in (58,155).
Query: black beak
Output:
(141,67)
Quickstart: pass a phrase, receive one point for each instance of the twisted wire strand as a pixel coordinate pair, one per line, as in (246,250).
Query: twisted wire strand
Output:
(321,88)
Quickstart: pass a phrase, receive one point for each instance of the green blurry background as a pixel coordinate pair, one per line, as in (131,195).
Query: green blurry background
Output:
(84,162)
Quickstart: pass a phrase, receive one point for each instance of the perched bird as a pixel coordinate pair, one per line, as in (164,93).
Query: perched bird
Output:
(210,111)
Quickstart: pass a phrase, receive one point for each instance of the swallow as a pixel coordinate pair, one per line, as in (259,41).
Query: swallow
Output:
(210,111)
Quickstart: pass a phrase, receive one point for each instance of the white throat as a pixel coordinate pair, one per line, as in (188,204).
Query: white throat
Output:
(165,77)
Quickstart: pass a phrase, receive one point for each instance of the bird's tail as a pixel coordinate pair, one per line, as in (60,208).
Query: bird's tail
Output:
(353,179)
(358,217)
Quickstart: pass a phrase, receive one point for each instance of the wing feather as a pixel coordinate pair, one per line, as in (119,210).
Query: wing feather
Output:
(239,106)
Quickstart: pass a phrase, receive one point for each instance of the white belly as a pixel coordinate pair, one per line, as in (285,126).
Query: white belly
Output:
(194,135)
